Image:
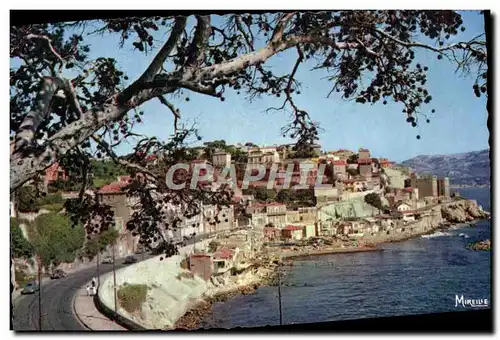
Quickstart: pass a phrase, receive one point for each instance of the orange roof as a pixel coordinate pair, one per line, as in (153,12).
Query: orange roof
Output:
(223,253)
(364,161)
(115,187)
(341,162)
(292,227)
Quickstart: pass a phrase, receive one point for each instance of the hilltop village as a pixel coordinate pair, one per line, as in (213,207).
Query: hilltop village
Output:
(364,195)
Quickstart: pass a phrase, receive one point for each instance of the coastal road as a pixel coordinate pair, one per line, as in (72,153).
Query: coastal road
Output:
(57,299)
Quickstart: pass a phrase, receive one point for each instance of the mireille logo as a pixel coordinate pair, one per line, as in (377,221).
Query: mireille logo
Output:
(474,303)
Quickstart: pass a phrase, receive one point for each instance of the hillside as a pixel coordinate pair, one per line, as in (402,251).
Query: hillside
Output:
(470,168)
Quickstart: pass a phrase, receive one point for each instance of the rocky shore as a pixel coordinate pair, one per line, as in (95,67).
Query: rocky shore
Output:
(262,273)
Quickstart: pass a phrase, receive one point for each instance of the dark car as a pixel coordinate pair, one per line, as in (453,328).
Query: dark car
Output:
(58,274)
(130,259)
(30,288)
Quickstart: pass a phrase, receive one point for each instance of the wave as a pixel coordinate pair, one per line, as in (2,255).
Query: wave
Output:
(436,234)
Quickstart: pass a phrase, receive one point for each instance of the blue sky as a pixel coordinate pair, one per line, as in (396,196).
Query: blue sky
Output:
(458,125)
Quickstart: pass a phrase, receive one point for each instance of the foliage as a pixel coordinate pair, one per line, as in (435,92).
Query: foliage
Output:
(25,199)
(352,171)
(261,194)
(353,159)
(132,296)
(19,245)
(29,199)
(22,278)
(99,243)
(69,107)
(50,199)
(374,200)
(105,172)
(212,246)
(54,239)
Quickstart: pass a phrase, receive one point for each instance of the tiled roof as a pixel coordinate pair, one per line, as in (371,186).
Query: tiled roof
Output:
(223,253)
(115,187)
(341,162)
(364,161)
(292,227)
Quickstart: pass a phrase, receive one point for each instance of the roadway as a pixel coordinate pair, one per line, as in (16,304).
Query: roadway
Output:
(57,298)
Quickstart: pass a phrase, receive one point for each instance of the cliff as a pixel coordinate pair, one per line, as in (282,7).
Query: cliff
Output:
(462,211)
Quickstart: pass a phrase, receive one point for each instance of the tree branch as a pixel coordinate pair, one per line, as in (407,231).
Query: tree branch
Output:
(49,43)
(120,161)
(159,59)
(172,108)
(200,40)
(26,134)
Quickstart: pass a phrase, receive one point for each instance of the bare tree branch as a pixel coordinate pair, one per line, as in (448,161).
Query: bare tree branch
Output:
(26,133)
(201,35)
(172,108)
(157,63)
(125,163)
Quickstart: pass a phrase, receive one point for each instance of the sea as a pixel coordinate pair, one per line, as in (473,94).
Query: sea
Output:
(418,276)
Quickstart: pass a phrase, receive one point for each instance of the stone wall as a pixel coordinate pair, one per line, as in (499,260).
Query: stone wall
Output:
(168,296)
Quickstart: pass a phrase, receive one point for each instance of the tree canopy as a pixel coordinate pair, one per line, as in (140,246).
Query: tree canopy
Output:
(68,105)
(54,239)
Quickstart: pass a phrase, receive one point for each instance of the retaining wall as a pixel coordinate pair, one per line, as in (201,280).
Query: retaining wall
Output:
(168,298)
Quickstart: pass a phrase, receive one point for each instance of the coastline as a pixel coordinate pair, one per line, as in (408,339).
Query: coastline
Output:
(195,317)
(451,215)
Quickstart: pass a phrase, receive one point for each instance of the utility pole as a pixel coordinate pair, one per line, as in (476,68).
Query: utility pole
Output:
(39,294)
(279,295)
(114,276)
(98,262)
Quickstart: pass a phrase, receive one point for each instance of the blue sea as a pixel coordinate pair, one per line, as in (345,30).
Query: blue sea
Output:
(418,276)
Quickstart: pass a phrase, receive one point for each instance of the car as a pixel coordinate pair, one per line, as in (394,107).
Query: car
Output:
(58,274)
(130,259)
(107,260)
(30,288)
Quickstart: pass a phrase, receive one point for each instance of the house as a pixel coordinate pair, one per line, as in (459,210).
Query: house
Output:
(339,169)
(360,184)
(401,206)
(54,173)
(271,233)
(363,153)
(309,230)
(221,260)
(218,218)
(221,159)
(115,196)
(365,167)
(200,264)
(348,185)
(292,232)
(324,195)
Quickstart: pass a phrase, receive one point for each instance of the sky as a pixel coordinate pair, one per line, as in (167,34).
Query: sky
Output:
(458,124)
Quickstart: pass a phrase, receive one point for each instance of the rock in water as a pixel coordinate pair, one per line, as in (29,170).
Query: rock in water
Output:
(481,245)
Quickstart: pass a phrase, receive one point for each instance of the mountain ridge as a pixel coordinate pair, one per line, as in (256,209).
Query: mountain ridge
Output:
(466,168)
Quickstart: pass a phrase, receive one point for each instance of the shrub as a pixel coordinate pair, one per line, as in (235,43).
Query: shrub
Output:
(19,245)
(132,296)
(50,199)
(26,199)
(99,243)
(22,278)
(55,240)
(212,246)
